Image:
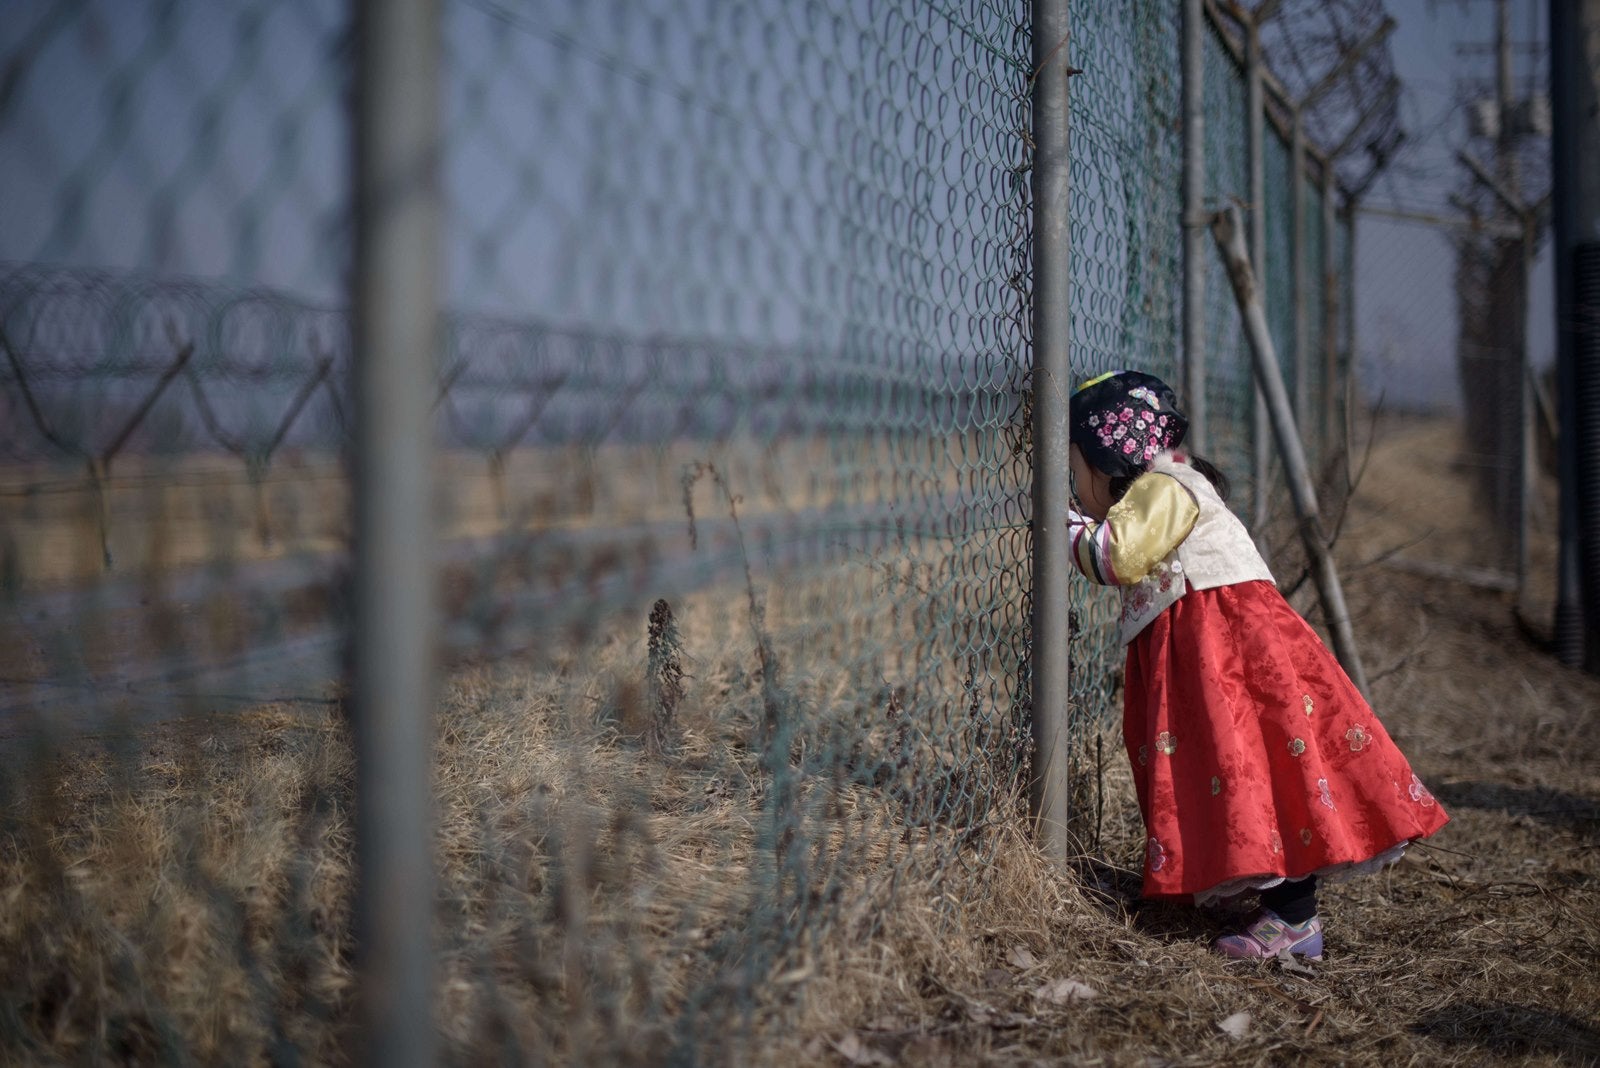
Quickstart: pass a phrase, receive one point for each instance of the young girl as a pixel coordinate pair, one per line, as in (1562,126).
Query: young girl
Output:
(1259,766)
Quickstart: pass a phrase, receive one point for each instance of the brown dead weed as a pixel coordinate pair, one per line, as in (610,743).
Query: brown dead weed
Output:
(186,895)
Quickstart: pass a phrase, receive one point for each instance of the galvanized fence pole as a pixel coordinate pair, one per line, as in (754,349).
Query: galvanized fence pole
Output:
(1260,427)
(1350,387)
(1194,224)
(395,326)
(1332,300)
(1527,466)
(1256,117)
(1297,259)
(1052,387)
(1255,126)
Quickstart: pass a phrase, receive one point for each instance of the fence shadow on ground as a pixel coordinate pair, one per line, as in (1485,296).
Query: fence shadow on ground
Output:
(1558,808)
(1513,1030)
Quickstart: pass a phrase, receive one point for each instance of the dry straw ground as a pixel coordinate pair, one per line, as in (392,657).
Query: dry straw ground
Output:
(188,891)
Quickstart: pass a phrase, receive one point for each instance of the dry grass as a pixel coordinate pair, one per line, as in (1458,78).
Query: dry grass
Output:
(1477,948)
(57,521)
(189,891)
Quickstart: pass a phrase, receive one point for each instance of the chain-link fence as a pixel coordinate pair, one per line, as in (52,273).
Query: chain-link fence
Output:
(731,495)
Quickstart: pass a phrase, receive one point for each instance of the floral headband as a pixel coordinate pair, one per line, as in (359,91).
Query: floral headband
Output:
(1123,420)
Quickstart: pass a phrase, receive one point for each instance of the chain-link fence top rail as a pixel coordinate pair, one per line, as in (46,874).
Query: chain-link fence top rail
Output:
(737,318)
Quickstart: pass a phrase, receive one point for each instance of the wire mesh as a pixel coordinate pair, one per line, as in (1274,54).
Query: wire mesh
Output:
(758,364)
(1279,274)
(1230,378)
(1125,214)
(1342,388)
(731,492)
(1312,363)
(792,403)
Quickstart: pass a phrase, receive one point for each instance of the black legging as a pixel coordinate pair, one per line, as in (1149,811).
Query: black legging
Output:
(1294,902)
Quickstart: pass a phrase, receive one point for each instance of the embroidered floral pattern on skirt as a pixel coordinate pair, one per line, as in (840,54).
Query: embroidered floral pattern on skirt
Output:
(1231,671)
(1419,793)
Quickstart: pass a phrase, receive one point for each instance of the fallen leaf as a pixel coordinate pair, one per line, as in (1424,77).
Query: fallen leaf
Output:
(1291,964)
(1062,991)
(1021,957)
(1235,1026)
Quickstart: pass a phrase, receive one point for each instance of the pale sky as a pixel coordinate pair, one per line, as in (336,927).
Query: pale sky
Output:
(1405,292)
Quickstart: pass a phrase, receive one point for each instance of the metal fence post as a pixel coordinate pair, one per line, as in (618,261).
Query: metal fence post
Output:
(394,298)
(1194,224)
(1332,300)
(1297,259)
(1052,386)
(1260,428)
(1527,474)
(1575,170)
(1350,369)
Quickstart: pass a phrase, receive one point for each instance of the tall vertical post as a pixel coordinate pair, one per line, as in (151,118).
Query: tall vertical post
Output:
(1297,260)
(1527,474)
(1575,169)
(1350,386)
(1194,225)
(1331,301)
(1260,428)
(1052,389)
(1512,265)
(395,322)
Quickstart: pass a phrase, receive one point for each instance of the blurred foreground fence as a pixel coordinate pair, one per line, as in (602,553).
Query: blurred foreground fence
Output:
(731,490)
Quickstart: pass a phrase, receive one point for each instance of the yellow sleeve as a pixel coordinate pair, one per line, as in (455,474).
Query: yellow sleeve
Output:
(1153,517)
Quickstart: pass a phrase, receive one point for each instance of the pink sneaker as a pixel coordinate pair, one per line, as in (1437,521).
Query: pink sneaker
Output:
(1266,934)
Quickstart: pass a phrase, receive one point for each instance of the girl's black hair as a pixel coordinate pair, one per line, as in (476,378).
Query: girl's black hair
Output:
(1219,481)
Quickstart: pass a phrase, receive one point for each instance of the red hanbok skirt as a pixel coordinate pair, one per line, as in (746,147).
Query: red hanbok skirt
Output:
(1255,757)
